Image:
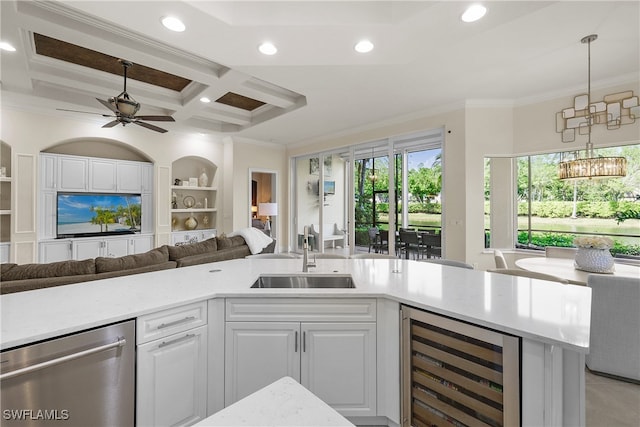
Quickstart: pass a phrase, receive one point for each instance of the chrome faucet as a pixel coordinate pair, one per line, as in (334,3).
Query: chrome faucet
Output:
(305,251)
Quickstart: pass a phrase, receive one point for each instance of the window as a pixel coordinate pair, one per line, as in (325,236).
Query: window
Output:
(551,212)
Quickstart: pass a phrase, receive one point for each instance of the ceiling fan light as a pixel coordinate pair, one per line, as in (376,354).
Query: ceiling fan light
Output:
(127,107)
(174,24)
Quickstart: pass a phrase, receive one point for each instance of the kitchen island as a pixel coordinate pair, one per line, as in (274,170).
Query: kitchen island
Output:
(552,320)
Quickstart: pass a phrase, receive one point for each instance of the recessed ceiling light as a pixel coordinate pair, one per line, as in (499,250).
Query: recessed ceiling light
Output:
(363,46)
(6,46)
(174,24)
(268,48)
(473,13)
(205,100)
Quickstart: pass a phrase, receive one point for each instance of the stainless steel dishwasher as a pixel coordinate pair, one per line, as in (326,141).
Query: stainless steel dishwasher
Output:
(83,379)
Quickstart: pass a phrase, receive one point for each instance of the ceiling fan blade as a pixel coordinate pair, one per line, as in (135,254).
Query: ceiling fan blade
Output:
(111,124)
(156,118)
(150,126)
(108,105)
(85,112)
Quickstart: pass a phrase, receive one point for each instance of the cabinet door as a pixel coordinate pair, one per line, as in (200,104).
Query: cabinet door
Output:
(59,250)
(257,354)
(140,244)
(48,168)
(338,365)
(48,214)
(129,177)
(102,175)
(116,247)
(72,174)
(147,178)
(85,249)
(172,380)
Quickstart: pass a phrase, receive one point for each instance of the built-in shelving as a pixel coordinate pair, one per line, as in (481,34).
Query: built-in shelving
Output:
(193,201)
(5,202)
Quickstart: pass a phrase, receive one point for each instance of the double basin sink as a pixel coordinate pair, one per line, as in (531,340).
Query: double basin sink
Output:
(343,282)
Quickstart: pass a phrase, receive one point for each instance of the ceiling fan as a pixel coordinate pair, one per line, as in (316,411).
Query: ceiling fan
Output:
(125,108)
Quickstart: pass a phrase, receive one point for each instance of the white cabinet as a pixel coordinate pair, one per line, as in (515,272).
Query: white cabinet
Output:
(48,169)
(92,248)
(73,173)
(329,345)
(140,244)
(147,178)
(85,248)
(192,236)
(102,175)
(257,354)
(172,365)
(129,177)
(56,250)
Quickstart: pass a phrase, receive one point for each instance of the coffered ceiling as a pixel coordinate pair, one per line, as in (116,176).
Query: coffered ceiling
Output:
(425,59)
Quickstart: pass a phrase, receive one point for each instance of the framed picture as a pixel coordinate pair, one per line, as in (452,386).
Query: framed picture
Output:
(314,165)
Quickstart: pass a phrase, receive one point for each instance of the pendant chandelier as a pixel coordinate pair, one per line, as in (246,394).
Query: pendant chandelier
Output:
(590,166)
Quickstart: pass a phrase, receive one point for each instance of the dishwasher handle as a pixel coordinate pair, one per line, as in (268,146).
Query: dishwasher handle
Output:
(119,343)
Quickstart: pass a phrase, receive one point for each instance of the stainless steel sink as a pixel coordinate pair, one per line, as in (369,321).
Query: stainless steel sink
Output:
(304,282)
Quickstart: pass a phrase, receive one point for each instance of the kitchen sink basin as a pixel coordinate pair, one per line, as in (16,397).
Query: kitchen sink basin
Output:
(304,282)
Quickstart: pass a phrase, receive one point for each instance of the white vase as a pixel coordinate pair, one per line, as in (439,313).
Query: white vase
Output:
(203,179)
(191,223)
(594,260)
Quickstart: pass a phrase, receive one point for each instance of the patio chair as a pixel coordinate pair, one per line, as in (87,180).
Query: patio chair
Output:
(374,239)
(409,242)
(431,244)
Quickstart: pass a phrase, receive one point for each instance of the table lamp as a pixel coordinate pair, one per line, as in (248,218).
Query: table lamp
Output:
(268,210)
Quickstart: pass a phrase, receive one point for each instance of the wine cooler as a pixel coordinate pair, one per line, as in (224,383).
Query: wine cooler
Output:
(457,374)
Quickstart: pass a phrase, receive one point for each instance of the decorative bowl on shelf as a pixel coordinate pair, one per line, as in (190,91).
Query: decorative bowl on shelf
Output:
(189,202)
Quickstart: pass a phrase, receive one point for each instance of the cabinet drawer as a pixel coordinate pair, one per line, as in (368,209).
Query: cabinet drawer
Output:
(164,323)
(297,309)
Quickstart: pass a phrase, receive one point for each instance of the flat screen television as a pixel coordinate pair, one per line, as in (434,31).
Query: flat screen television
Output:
(97,214)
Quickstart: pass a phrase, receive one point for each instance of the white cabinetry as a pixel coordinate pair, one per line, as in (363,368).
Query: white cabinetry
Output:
(329,345)
(84,248)
(129,177)
(192,236)
(73,173)
(172,366)
(102,173)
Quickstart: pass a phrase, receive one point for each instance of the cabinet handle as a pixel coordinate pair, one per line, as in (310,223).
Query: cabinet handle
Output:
(304,342)
(296,343)
(176,322)
(184,338)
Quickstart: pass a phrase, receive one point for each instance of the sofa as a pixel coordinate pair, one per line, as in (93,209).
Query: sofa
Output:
(25,277)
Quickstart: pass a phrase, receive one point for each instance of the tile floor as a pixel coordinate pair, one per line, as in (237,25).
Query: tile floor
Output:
(611,403)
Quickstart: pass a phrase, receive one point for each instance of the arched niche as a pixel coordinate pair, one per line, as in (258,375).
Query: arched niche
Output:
(99,147)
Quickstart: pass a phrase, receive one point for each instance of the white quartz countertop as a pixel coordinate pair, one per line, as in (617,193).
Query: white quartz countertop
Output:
(539,310)
(282,403)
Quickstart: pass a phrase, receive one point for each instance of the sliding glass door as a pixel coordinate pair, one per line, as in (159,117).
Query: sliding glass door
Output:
(376,187)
